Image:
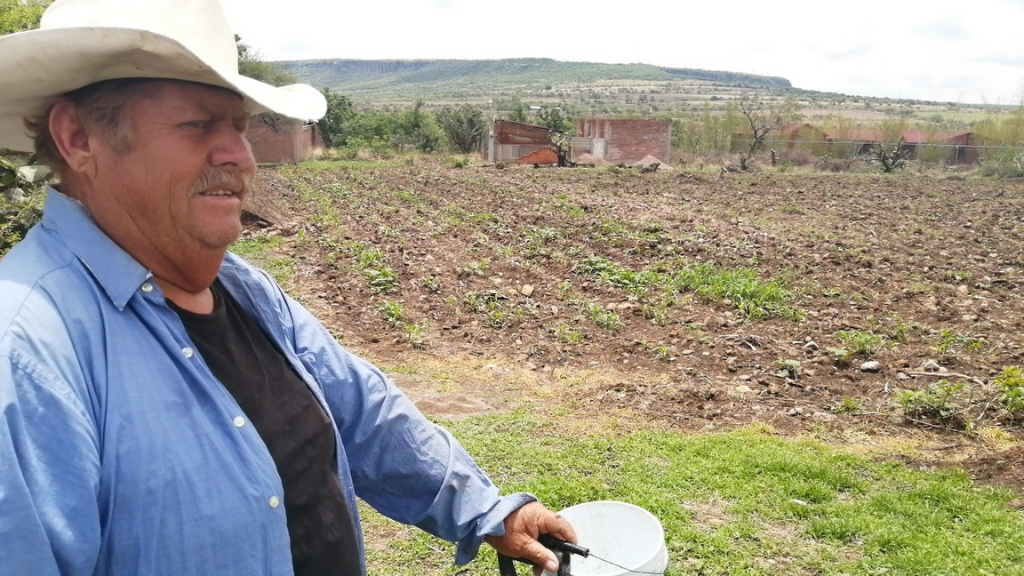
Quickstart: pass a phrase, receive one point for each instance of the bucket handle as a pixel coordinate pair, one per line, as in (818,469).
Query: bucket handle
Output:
(562,549)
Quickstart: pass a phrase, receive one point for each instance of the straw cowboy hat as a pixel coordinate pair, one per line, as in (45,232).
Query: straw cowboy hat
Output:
(80,42)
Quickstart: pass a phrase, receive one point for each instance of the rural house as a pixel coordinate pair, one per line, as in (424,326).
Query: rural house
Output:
(622,141)
(786,137)
(959,147)
(278,140)
(520,143)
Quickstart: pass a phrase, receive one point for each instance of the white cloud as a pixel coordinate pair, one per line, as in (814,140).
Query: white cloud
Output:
(937,50)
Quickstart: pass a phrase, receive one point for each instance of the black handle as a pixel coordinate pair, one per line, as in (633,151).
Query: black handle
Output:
(507,567)
(562,549)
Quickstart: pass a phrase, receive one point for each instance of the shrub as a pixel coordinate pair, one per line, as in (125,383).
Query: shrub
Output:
(1011,383)
(938,401)
(22,191)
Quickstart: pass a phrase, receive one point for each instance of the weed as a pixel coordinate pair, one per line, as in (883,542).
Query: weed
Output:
(604,318)
(567,335)
(618,275)
(950,339)
(542,235)
(921,287)
(939,401)
(849,405)
(565,289)
(367,256)
(497,318)
(392,311)
(753,297)
(431,283)
(959,276)
(664,354)
(863,342)
(839,354)
(788,368)
(416,334)
(832,293)
(382,280)
(900,331)
(564,204)
(255,246)
(407,196)
(947,340)
(484,301)
(1011,382)
(656,314)
(476,268)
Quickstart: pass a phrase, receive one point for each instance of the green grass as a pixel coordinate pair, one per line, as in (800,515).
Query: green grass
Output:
(863,342)
(738,503)
(257,250)
(753,297)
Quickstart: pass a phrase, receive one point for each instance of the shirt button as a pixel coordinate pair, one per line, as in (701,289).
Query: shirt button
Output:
(274,501)
(239,421)
(188,352)
(147,287)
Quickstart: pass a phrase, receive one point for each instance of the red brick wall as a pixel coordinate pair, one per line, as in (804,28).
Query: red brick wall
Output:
(508,132)
(283,140)
(629,141)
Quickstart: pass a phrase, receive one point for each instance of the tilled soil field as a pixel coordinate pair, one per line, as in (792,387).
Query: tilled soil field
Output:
(883,305)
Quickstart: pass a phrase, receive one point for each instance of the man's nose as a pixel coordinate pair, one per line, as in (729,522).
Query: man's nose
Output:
(232,150)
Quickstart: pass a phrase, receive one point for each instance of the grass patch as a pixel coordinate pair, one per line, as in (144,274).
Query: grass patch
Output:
(258,251)
(252,247)
(753,297)
(864,342)
(737,503)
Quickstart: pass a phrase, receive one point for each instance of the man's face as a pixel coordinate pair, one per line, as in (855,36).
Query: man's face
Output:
(181,185)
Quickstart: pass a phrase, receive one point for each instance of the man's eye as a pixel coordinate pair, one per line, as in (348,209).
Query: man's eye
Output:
(198,124)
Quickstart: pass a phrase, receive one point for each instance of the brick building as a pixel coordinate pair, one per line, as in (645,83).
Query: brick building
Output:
(512,141)
(622,141)
(955,147)
(277,140)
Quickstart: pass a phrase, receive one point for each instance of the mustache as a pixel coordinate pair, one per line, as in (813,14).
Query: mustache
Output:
(214,179)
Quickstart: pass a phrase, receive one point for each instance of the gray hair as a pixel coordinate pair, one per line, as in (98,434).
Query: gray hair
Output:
(103,105)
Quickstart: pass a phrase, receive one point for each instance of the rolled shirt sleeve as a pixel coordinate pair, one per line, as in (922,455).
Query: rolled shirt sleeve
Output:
(403,465)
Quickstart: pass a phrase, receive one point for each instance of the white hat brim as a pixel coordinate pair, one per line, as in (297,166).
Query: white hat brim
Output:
(41,64)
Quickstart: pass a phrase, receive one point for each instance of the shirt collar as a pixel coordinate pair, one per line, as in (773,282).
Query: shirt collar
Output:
(115,270)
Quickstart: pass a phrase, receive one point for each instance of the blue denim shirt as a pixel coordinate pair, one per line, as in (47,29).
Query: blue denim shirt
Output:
(120,453)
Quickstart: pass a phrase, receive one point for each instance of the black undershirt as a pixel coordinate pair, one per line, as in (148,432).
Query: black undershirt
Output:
(294,427)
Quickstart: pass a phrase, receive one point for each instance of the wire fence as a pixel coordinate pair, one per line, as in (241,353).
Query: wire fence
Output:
(938,152)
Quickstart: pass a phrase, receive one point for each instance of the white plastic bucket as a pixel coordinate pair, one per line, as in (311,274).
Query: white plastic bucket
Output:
(622,533)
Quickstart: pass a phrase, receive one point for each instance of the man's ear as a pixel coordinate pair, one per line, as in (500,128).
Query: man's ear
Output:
(71,136)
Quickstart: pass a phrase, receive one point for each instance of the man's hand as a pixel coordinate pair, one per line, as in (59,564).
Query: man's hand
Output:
(522,528)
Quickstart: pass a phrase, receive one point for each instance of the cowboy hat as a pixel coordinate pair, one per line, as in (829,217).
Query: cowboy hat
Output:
(80,42)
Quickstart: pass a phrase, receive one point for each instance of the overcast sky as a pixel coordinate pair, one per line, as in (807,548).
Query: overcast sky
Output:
(968,51)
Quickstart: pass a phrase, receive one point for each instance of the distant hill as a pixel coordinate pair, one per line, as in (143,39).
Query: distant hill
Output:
(458,78)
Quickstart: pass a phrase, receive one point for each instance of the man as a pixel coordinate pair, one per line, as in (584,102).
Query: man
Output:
(164,407)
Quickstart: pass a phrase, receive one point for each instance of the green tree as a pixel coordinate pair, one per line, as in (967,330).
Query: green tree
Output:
(464,126)
(252,64)
(419,129)
(555,119)
(21,15)
(518,110)
(337,125)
